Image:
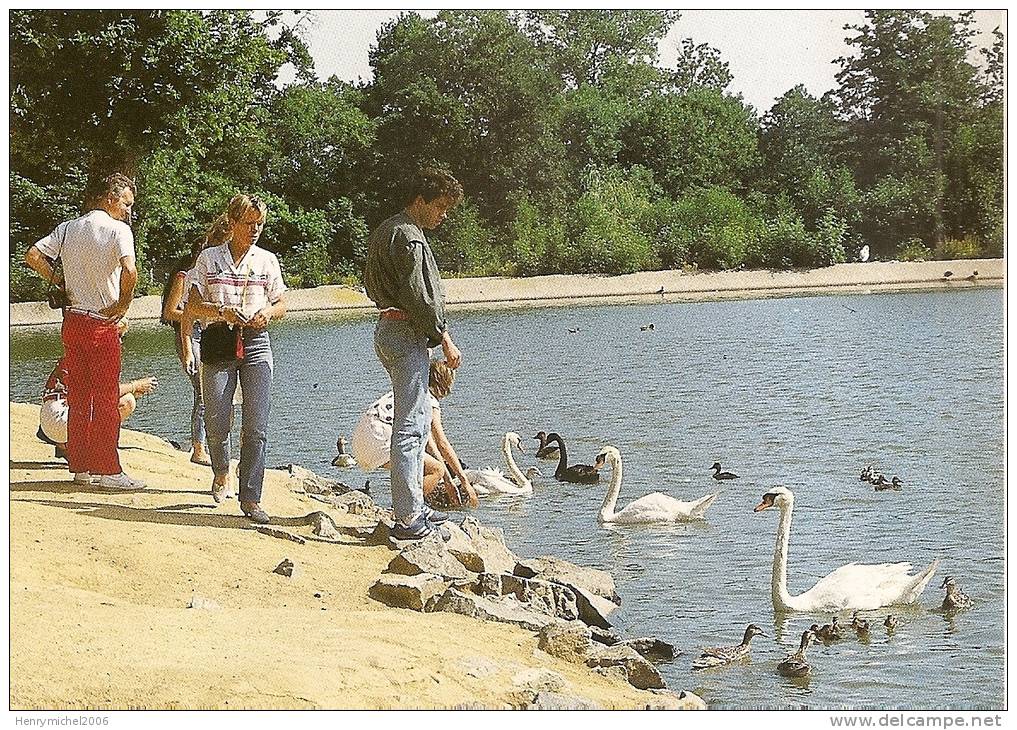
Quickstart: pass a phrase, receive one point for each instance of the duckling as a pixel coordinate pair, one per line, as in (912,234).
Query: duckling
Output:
(716,656)
(956,599)
(881,484)
(891,622)
(860,625)
(896,484)
(794,665)
(866,473)
(721,475)
(646,327)
(343,460)
(829,632)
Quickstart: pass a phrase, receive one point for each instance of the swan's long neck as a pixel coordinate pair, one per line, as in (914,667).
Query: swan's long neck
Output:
(607,510)
(778,582)
(563,456)
(517,476)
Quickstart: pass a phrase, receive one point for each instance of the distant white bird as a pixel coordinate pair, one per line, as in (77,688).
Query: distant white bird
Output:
(863,255)
(654,507)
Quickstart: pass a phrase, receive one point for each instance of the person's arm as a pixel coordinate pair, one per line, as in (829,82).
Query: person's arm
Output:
(276,310)
(142,386)
(40,265)
(448,454)
(171,310)
(128,280)
(198,308)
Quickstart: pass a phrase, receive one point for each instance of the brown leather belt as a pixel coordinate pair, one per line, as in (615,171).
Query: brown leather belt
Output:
(396,314)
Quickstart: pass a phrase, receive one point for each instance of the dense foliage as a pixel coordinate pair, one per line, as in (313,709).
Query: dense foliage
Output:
(580,149)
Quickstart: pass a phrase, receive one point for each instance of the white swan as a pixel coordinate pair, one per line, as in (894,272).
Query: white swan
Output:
(654,507)
(851,586)
(486,481)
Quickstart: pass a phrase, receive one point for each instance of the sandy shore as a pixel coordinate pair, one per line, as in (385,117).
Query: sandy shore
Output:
(477,293)
(101,583)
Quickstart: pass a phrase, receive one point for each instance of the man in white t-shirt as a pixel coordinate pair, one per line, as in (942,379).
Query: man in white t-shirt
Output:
(97,253)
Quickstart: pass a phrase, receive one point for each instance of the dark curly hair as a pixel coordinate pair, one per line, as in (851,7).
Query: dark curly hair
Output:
(433,182)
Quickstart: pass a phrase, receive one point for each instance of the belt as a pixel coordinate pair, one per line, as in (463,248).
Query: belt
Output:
(87,313)
(396,314)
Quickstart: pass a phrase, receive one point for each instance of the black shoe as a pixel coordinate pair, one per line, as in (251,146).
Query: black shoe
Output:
(416,530)
(256,514)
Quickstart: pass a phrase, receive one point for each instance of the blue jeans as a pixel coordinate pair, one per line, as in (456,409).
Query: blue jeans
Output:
(405,356)
(197,403)
(219,383)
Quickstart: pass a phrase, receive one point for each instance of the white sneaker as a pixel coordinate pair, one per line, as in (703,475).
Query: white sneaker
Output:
(120,481)
(83,477)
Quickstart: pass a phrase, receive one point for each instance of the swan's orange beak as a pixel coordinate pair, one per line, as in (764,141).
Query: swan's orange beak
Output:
(766,503)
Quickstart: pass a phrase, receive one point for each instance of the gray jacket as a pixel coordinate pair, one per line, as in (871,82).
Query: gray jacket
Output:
(401,273)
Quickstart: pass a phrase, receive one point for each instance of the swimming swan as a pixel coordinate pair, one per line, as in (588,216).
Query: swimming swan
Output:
(654,507)
(577,473)
(851,586)
(487,481)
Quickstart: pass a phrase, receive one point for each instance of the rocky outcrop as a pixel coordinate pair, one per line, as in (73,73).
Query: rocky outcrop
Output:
(431,555)
(415,592)
(488,609)
(569,640)
(483,550)
(592,580)
(639,672)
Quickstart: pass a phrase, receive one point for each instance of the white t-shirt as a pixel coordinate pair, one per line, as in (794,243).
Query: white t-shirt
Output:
(90,249)
(250,285)
(372,438)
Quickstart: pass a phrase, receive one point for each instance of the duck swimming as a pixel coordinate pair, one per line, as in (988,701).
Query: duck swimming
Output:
(956,599)
(891,622)
(860,625)
(577,473)
(721,475)
(828,632)
(343,460)
(545,450)
(795,665)
(716,656)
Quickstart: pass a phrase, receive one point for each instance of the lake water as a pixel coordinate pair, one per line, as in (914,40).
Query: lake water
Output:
(801,392)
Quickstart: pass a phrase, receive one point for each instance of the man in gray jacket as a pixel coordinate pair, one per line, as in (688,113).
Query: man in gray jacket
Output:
(402,279)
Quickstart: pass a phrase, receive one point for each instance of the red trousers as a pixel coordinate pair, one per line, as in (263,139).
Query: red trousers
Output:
(92,351)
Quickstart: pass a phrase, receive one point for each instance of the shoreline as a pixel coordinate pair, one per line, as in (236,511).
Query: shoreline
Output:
(159,599)
(641,287)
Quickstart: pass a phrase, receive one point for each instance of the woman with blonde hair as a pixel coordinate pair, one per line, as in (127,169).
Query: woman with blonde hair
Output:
(237,289)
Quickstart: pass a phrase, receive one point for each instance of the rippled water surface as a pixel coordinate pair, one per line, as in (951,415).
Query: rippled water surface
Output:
(800,392)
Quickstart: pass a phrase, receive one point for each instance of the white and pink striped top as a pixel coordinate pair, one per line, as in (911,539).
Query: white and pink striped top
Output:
(252,284)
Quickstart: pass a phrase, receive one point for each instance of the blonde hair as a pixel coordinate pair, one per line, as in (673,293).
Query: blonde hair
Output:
(440,378)
(241,205)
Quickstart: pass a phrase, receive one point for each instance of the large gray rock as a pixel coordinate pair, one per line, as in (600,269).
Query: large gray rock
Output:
(607,637)
(558,701)
(553,599)
(653,649)
(416,592)
(484,550)
(430,555)
(593,609)
(592,580)
(639,672)
(503,610)
(566,640)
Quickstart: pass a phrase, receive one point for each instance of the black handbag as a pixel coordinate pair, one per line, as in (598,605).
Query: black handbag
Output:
(220,344)
(56,296)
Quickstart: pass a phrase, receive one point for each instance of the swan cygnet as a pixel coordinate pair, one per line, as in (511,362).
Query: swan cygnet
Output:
(577,473)
(722,475)
(344,459)
(545,450)
(716,656)
(851,586)
(795,665)
(656,507)
(956,599)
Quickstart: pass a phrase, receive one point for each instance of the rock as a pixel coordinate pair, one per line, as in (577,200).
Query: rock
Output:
(553,599)
(667,700)
(615,672)
(557,701)
(607,637)
(653,649)
(287,567)
(592,580)
(323,526)
(281,534)
(430,555)
(539,680)
(203,603)
(504,610)
(639,672)
(485,551)
(408,591)
(355,503)
(593,609)
(569,641)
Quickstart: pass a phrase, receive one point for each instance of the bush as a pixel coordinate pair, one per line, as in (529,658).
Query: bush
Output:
(714,227)
(968,247)
(537,241)
(913,249)
(786,243)
(464,245)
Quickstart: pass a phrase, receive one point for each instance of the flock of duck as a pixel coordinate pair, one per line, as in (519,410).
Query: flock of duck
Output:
(851,588)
